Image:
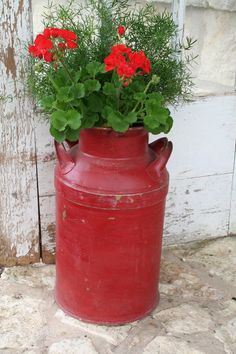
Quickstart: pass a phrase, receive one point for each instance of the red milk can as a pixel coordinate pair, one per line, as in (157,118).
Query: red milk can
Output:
(110,198)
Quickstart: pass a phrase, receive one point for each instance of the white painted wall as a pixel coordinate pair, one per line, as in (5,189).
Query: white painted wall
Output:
(202,199)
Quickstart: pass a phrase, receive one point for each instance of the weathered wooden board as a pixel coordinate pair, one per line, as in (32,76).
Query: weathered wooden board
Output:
(232,220)
(197,208)
(19,228)
(203,134)
(47,208)
(45,162)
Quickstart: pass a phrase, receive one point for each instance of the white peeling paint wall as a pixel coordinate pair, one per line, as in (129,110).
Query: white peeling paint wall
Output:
(202,199)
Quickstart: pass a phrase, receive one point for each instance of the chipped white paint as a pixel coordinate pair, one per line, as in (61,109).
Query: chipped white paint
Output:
(201,170)
(48,214)
(22,248)
(18,188)
(197,208)
(225,5)
(232,221)
(204,138)
(178,13)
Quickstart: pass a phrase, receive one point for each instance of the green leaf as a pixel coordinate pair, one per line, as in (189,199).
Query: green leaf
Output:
(47,102)
(156,111)
(169,124)
(71,134)
(95,103)
(94,68)
(77,76)
(91,86)
(151,121)
(60,106)
(157,130)
(116,120)
(137,85)
(140,96)
(59,120)
(109,89)
(65,94)
(73,119)
(131,117)
(78,91)
(157,97)
(58,136)
(90,120)
(61,78)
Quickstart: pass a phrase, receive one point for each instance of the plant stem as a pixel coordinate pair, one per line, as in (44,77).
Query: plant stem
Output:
(118,91)
(145,91)
(66,69)
(53,82)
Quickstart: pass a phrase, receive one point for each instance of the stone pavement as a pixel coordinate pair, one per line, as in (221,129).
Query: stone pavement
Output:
(196,314)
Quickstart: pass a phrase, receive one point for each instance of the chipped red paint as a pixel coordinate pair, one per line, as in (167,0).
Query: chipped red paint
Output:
(111,192)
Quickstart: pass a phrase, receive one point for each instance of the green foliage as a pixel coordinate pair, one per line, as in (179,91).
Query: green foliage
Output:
(79,93)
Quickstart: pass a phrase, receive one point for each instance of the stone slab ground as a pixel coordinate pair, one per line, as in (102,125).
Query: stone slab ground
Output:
(196,314)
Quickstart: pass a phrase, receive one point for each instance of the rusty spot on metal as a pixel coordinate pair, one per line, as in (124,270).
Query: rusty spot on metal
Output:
(64,215)
(118,197)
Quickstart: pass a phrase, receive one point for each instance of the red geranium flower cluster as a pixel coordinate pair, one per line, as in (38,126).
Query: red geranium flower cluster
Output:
(127,63)
(121,30)
(44,44)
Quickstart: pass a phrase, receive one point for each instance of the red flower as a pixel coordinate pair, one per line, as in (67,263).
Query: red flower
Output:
(48,56)
(60,32)
(139,61)
(41,47)
(51,32)
(43,43)
(113,61)
(126,71)
(71,44)
(120,48)
(121,30)
(127,63)
(61,46)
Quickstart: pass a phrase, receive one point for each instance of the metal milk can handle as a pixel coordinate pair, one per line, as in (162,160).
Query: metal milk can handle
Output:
(163,149)
(65,160)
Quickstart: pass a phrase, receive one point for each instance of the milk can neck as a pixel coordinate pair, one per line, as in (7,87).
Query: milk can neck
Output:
(106,143)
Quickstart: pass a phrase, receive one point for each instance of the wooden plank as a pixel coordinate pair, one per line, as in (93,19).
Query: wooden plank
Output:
(19,229)
(197,209)
(178,14)
(203,135)
(47,207)
(232,219)
(46,161)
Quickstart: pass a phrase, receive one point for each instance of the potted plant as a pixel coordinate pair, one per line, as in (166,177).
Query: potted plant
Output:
(105,75)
